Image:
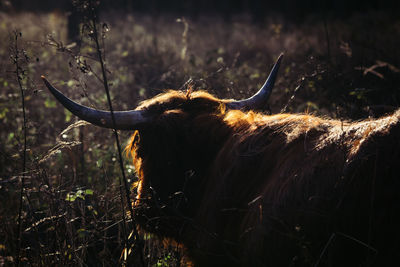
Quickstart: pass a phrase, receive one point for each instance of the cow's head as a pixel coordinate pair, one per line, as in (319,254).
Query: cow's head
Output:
(176,137)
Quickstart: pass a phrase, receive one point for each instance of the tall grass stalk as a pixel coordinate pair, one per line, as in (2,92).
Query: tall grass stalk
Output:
(127,191)
(19,75)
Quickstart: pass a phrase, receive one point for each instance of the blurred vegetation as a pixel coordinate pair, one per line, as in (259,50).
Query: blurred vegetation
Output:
(339,68)
(258,9)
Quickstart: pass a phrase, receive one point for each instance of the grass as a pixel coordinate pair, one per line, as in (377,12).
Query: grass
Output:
(71,212)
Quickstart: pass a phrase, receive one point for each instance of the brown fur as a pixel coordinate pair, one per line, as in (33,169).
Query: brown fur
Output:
(246,189)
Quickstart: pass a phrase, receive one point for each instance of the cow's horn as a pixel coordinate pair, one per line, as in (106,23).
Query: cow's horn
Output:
(260,99)
(124,120)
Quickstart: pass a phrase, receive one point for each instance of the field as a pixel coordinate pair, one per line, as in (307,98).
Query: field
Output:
(71,212)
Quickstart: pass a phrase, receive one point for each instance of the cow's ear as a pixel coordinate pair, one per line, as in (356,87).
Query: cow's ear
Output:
(133,141)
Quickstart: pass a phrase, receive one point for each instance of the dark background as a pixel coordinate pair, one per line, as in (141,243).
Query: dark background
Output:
(258,8)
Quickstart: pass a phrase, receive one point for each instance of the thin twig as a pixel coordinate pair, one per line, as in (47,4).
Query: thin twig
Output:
(105,83)
(331,238)
(293,95)
(19,78)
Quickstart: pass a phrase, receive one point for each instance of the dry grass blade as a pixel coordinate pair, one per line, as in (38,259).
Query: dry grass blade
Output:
(57,148)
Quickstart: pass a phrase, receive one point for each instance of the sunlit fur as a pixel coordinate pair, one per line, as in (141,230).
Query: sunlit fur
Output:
(246,189)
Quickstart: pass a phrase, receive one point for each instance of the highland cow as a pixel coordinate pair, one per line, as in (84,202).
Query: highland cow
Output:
(236,187)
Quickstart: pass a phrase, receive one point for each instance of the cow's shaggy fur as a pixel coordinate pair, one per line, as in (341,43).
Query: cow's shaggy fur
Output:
(246,189)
